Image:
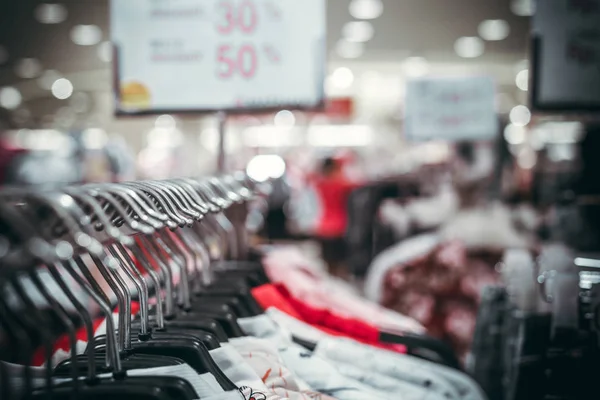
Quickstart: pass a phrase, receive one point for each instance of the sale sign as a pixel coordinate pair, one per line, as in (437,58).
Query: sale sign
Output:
(212,55)
(457,108)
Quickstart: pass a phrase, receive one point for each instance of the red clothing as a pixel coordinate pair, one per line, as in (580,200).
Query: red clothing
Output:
(333,195)
(277,295)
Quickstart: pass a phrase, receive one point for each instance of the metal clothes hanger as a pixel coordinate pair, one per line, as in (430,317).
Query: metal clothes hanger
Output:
(34,251)
(142,207)
(27,234)
(120,385)
(114,360)
(173,386)
(163,201)
(119,290)
(203,355)
(158,308)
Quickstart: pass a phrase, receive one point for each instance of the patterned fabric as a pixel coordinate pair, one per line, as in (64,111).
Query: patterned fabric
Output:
(264,359)
(239,371)
(441,290)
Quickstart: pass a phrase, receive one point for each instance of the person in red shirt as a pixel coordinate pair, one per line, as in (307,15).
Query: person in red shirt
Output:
(333,188)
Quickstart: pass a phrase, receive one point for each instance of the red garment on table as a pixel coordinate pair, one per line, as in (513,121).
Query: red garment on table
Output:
(333,195)
(277,295)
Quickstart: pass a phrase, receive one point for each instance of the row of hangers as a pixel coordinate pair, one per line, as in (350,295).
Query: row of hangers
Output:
(175,247)
(149,239)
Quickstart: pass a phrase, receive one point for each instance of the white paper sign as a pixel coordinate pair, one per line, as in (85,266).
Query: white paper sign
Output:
(567,57)
(451,109)
(186,55)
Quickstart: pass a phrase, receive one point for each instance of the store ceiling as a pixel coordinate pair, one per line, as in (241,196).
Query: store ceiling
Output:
(424,28)
(429,28)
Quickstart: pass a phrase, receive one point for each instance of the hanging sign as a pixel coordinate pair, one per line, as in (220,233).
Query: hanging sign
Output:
(566,56)
(451,109)
(218,55)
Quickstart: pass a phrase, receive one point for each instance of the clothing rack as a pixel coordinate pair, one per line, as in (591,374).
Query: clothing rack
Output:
(193,314)
(106,223)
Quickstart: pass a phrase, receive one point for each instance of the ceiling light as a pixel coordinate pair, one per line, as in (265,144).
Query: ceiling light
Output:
(522,80)
(165,121)
(161,138)
(346,49)
(469,47)
(62,89)
(523,8)
(10,98)
(366,9)
(415,67)
(3,55)
(86,35)
(48,78)
(50,13)
(520,115)
(494,29)
(514,134)
(28,68)
(358,31)
(105,51)
(284,119)
(342,78)
(264,167)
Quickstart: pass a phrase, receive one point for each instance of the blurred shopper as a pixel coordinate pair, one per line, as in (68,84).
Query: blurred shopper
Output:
(333,188)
